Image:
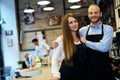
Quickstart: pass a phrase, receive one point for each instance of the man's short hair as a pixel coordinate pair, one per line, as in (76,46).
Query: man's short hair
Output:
(34,40)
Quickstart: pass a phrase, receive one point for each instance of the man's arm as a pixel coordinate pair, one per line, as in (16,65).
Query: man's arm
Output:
(104,44)
(47,48)
(48,51)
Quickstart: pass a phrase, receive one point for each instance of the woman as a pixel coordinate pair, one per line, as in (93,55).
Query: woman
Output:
(70,52)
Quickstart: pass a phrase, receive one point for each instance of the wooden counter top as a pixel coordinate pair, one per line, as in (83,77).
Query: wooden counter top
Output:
(45,75)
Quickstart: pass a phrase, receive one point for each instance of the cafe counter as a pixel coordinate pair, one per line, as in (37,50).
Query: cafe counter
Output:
(43,73)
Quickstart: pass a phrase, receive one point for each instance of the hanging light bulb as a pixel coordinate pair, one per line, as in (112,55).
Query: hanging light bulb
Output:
(73,1)
(43,2)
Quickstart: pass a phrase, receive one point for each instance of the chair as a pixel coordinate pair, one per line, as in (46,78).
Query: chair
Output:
(5,73)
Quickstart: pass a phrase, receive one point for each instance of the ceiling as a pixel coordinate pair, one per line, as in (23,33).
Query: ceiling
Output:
(81,11)
(84,3)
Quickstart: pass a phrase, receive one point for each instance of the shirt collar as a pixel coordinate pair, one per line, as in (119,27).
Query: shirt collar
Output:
(97,26)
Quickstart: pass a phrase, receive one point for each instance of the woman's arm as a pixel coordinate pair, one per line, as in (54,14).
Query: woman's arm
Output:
(57,54)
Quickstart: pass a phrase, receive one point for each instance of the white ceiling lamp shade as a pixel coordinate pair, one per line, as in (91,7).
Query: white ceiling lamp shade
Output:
(48,7)
(73,1)
(28,8)
(43,2)
(75,6)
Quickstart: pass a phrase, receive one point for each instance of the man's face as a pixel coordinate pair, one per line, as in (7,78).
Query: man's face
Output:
(35,43)
(94,14)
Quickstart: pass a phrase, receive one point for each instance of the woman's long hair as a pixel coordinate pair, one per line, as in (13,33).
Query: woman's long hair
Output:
(68,42)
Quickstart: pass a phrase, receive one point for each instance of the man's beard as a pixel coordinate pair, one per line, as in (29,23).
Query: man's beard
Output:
(94,22)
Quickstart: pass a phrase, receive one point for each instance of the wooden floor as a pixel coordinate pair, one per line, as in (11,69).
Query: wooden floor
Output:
(45,75)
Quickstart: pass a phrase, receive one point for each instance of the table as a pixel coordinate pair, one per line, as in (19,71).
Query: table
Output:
(30,72)
(45,75)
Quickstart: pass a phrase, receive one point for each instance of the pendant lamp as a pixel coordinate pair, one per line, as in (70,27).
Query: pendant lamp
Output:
(73,1)
(48,7)
(28,8)
(43,2)
(75,6)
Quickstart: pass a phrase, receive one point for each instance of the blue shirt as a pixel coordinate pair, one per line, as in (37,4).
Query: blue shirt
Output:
(105,43)
(28,61)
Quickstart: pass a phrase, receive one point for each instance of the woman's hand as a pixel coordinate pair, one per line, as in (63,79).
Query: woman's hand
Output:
(83,39)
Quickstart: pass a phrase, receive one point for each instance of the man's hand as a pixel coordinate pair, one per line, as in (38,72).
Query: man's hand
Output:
(46,55)
(83,39)
(55,44)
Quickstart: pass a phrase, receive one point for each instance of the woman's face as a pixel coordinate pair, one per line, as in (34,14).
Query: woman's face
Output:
(73,24)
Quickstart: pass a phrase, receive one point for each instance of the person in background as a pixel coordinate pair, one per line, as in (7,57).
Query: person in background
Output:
(70,52)
(98,39)
(40,36)
(41,48)
(28,60)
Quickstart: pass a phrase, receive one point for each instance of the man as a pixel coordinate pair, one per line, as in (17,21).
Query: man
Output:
(41,48)
(98,39)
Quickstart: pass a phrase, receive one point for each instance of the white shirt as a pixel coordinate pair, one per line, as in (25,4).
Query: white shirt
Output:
(42,49)
(58,56)
(39,36)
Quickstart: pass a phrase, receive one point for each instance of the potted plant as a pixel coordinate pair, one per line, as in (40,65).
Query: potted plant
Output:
(20,64)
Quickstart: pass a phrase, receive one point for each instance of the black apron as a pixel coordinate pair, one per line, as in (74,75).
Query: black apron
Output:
(98,63)
(76,72)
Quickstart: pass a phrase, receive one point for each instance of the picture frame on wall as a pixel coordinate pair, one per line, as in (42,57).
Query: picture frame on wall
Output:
(47,36)
(27,38)
(54,20)
(8,32)
(10,42)
(29,18)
